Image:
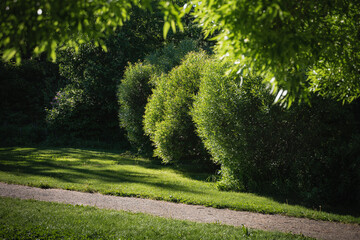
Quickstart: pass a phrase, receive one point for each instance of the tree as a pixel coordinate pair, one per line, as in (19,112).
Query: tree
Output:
(297,46)
(87,107)
(29,27)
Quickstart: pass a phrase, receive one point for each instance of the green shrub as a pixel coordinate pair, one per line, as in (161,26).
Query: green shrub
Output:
(87,107)
(223,111)
(132,95)
(136,87)
(65,112)
(96,74)
(167,120)
(308,153)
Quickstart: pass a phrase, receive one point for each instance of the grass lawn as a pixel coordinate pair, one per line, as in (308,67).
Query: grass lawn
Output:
(124,175)
(24,219)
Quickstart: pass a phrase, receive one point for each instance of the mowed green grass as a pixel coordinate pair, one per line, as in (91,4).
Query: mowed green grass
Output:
(24,219)
(123,175)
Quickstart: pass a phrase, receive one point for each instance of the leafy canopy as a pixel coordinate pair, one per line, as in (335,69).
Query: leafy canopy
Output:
(30,27)
(297,46)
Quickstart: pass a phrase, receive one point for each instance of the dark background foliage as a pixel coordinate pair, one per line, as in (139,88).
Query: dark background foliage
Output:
(25,92)
(91,112)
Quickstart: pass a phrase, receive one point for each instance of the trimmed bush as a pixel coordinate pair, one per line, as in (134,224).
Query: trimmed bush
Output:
(65,113)
(167,120)
(306,153)
(223,111)
(133,95)
(136,87)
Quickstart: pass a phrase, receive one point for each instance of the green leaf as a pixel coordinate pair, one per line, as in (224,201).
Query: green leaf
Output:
(9,54)
(166,29)
(173,26)
(53,50)
(103,46)
(6,41)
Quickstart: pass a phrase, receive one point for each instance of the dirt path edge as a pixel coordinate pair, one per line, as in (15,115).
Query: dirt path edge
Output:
(307,227)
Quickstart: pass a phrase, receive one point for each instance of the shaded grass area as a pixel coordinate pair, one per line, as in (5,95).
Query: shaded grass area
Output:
(125,175)
(28,219)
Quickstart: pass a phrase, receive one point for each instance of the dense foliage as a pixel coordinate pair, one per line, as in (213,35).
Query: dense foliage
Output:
(167,120)
(171,55)
(309,153)
(25,92)
(91,110)
(136,87)
(86,108)
(27,28)
(134,90)
(298,46)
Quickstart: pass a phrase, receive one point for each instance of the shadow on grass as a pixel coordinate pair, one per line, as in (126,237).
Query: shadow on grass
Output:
(341,208)
(74,168)
(198,172)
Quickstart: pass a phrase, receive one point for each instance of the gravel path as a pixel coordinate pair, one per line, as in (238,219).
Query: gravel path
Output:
(307,227)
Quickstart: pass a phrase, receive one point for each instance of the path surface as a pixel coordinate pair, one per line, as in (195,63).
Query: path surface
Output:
(307,227)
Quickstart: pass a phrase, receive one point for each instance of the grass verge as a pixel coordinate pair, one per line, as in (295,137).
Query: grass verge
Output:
(28,219)
(123,175)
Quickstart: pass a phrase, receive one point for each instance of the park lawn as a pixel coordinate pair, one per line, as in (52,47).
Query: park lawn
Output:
(29,219)
(125,175)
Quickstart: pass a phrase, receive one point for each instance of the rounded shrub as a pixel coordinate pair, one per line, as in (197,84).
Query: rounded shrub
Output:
(223,111)
(167,120)
(133,93)
(136,87)
(306,153)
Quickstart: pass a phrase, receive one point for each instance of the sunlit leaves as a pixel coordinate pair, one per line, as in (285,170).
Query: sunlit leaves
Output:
(31,28)
(172,16)
(8,54)
(274,39)
(285,40)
